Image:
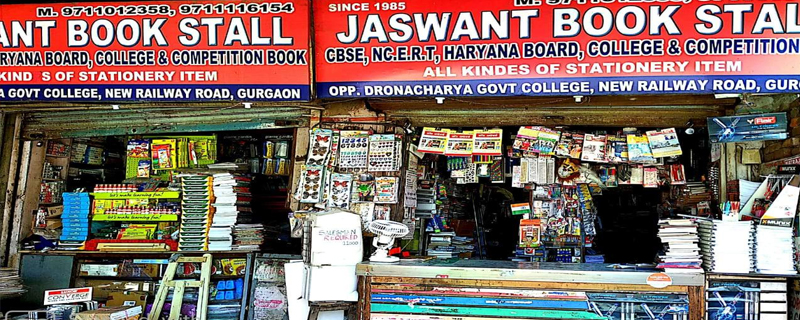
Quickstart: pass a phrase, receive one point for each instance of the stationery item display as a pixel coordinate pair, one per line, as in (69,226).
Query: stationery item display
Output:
(353,149)
(488,142)
(650,177)
(576,148)
(459,144)
(639,149)
(676,174)
(783,209)
(311,184)
(568,170)
(196,212)
(608,175)
(470,174)
(541,168)
(546,141)
(138,149)
(340,190)
(727,246)
(366,210)
(525,141)
(530,231)
(164,154)
(497,171)
(774,250)
(594,147)
(516,177)
(386,189)
(564,144)
(753,127)
(364,188)
(333,159)
(682,254)
(384,153)
(433,140)
(383,212)
(551,170)
(457,163)
(319,146)
(664,143)
(616,149)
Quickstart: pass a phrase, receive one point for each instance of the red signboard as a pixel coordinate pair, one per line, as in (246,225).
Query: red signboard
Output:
(155,51)
(555,47)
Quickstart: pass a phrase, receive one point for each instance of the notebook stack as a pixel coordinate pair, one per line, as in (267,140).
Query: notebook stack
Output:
(75,221)
(440,245)
(727,246)
(248,237)
(197,212)
(774,250)
(220,236)
(682,253)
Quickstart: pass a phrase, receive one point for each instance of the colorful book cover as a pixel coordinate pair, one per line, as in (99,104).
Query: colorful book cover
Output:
(594,148)
(639,149)
(576,148)
(563,146)
(664,143)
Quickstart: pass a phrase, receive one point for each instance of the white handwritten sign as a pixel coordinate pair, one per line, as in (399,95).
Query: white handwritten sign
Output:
(72,295)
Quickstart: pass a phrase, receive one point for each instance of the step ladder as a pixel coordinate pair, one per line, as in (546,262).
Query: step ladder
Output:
(179,286)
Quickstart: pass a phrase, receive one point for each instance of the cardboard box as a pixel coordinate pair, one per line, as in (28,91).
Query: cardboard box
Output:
(127,299)
(104,288)
(99,270)
(140,270)
(111,313)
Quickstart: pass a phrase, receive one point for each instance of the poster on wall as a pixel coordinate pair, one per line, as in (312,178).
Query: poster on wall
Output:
(155,51)
(538,48)
(754,127)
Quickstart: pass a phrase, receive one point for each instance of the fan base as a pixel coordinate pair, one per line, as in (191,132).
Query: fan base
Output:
(384,259)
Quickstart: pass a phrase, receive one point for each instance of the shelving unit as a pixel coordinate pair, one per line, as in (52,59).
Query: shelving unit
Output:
(140,272)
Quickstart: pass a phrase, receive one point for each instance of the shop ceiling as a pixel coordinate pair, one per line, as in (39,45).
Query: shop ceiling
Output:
(609,111)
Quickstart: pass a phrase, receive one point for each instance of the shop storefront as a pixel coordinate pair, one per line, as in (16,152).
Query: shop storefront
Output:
(141,130)
(549,159)
(559,153)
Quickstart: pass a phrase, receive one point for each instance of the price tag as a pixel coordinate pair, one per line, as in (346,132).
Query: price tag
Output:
(63,296)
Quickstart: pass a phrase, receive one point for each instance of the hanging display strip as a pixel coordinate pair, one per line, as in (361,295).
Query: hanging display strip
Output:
(158,51)
(533,48)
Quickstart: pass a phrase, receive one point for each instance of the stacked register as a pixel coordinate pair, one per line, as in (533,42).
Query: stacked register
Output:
(727,246)
(774,250)
(196,215)
(682,254)
(220,236)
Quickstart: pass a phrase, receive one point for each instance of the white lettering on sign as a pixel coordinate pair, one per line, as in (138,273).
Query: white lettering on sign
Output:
(62,296)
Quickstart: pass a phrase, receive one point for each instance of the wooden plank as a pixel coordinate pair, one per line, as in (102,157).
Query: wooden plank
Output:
(523,284)
(697,305)
(10,188)
(362,297)
(481,302)
(19,206)
(484,312)
(480,292)
(393,316)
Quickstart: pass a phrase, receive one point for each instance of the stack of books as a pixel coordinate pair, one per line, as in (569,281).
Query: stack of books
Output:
(10,283)
(440,245)
(774,250)
(727,246)
(225,213)
(196,216)
(682,253)
(248,237)
(75,221)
